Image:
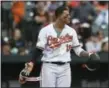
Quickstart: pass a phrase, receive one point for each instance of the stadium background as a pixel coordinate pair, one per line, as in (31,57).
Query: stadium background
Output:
(21,23)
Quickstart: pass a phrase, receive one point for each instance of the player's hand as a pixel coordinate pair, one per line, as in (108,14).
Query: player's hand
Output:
(22,79)
(93,62)
(25,72)
(94,58)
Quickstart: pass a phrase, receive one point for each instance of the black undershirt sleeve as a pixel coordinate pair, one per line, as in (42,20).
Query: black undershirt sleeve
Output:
(36,54)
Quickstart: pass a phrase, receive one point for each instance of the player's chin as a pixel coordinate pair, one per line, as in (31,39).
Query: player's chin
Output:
(67,22)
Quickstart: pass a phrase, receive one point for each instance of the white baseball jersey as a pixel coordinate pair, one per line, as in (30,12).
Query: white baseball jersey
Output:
(57,48)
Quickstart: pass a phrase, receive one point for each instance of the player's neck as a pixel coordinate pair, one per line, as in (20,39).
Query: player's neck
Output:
(59,25)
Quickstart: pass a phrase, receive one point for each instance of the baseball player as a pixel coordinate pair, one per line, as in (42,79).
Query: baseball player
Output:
(55,42)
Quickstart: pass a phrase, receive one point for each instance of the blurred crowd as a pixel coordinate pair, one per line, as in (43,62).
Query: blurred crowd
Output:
(22,21)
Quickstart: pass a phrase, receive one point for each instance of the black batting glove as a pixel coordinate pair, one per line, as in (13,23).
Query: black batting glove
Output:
(93,62)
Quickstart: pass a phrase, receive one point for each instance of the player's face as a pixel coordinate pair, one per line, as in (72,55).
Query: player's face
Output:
(65,17)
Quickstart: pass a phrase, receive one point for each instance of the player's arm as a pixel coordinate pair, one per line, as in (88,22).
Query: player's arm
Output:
(92,57)
(77,48)
(29,65)
(37,52)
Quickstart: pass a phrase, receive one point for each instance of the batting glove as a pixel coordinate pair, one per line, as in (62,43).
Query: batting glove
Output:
(25,72)
(93,62)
